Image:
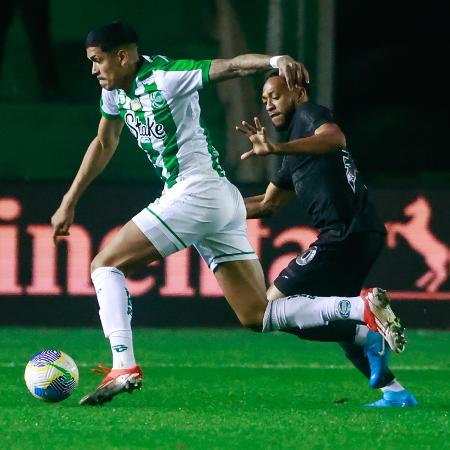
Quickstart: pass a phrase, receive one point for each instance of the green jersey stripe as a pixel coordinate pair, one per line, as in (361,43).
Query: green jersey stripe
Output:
(225,255)
(233,254)
(212,151)
(162,112)
(163,116)
(148,147)
(168,228)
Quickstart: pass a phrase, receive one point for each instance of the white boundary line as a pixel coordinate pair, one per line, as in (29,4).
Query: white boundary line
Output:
(7,365)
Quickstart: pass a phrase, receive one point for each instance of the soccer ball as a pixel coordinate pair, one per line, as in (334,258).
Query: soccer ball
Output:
(51,375)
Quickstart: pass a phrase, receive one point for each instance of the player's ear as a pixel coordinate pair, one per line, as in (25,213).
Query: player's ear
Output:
(300,94)
(122,55)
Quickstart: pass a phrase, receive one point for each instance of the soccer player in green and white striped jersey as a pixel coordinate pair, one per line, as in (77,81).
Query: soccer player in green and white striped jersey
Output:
(157,98)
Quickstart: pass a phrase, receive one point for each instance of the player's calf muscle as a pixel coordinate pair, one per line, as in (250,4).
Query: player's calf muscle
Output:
(243,286)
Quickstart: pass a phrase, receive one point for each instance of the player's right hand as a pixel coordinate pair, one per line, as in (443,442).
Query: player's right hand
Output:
(257,135)
(294,72)
(61,222)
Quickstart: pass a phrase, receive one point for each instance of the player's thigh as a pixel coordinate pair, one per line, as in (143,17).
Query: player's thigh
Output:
(320,271)
(337,268)
(128,250)
(243,286)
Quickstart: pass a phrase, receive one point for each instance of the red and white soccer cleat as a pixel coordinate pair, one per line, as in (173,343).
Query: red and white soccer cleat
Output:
(379,317)
(115,382)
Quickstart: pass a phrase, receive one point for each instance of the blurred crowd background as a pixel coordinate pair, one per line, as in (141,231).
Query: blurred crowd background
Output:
(376,64)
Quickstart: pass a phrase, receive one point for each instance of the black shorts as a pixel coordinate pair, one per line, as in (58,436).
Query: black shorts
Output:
(332,268)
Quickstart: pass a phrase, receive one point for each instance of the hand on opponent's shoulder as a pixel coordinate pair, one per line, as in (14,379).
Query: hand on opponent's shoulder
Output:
(293,71)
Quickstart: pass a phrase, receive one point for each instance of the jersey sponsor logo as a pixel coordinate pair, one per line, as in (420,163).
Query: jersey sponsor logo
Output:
(307,256)
(344,307)
(350,169)
(144,131)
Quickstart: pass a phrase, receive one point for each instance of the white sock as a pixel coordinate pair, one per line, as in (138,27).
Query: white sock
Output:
(122,349)
(394,385)
(115,314)
(361,334)
(307,311)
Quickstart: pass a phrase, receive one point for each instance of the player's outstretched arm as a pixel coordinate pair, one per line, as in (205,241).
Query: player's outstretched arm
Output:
(328,137)
(97,156)
(265,205)
(243,65)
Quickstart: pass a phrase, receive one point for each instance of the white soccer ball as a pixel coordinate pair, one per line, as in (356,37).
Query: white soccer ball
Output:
(51,375)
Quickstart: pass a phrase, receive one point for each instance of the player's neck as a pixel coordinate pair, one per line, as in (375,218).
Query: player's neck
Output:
(129,81)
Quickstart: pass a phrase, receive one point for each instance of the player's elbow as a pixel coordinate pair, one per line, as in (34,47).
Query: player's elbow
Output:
(268,209)
(333,142)
(330,137)
(341,142)
(336,140)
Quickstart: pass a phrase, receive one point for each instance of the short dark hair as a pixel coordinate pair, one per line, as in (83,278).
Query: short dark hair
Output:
(275,73)
(271,73)
(109,37)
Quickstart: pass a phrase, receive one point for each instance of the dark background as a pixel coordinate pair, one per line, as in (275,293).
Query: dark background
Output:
(391,87)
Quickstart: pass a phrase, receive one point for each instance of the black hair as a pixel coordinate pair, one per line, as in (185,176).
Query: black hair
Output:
(271,73)
(275,73)
(109,37)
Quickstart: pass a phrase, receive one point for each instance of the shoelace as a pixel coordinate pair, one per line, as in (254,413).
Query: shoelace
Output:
(101,369)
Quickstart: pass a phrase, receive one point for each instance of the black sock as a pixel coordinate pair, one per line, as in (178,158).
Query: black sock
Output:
(343,332)
(355,353)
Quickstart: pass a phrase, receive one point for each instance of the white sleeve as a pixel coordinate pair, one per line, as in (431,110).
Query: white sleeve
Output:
(182,77)
(108,104)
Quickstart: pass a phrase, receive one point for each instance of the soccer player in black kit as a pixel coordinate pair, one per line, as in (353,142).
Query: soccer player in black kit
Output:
(319,170)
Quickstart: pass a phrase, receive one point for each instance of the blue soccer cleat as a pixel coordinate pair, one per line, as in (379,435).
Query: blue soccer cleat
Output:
(378,354)
(395,399)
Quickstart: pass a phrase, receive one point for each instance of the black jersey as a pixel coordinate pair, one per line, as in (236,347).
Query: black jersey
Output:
(328,186)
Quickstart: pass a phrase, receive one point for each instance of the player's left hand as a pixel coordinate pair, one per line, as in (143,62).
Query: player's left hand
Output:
(293,71)
(258,137)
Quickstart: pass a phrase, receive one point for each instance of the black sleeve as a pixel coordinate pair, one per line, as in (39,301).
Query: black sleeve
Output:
(308,118)
(283,178)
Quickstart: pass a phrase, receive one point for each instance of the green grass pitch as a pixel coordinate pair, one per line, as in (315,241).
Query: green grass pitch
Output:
(226,389)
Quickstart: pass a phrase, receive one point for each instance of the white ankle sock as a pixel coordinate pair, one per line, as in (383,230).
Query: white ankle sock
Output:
(306,311)
(394,385)
(122,349)
(115,314)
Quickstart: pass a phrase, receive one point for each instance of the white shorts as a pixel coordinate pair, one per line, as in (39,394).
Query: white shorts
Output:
(206,212)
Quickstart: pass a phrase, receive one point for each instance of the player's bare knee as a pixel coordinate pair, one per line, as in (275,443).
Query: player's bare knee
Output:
(96,263)
(100,261)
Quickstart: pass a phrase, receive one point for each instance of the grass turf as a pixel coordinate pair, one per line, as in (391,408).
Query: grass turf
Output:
(226,389)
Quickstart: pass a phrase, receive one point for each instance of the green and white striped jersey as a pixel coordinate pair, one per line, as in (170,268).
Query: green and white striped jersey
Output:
(162,112)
